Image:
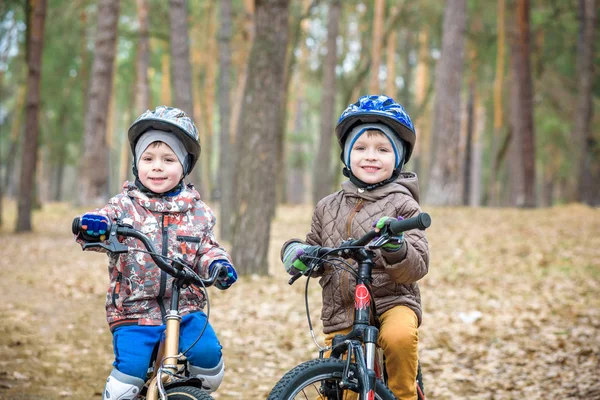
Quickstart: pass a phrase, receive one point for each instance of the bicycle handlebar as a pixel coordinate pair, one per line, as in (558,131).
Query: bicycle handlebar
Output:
(182,271)
(421,221)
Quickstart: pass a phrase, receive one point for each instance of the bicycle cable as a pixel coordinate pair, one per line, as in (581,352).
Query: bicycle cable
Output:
(204,291)
(316,261)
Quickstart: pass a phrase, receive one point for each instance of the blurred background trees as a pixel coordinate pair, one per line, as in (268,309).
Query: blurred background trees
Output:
(502,94)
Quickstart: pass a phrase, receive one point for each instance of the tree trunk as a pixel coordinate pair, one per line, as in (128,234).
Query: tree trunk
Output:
(297,165)
(296,173)
(165,83)
(256,152)
(35,27)
(291,59)
(15,134)
(350,90)
(242,57)
(378,22)
(94,165)
(476,168)
(125,157)
(515,165)
(420,157)
(209,103)
(83,74)
(407,72)
(143,60)
(322,174)
(180,56)
(583,116)
(468,153)
(445,179)
(493,186)
(522,114)
(390,61)
(62,152)
(226,173)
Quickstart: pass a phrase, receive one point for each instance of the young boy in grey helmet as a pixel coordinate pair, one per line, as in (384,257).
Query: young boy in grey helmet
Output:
(165,147)
(376,136)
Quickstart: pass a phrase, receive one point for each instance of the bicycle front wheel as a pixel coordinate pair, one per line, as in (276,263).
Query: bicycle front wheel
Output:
(187,393)
(320,379)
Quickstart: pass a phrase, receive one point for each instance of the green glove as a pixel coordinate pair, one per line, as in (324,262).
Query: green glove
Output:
(291,256)
(395,242)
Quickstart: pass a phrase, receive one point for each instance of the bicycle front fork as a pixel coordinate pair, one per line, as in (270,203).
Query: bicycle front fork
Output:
(364,380)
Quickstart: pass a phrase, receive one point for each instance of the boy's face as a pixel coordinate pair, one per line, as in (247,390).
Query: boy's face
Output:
(159,168)
(372,157)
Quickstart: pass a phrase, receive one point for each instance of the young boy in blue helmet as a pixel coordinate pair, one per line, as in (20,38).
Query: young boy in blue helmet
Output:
(165,148)
(377,137)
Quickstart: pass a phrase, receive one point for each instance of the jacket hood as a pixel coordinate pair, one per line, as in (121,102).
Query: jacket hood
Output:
(407,183)
(181,202)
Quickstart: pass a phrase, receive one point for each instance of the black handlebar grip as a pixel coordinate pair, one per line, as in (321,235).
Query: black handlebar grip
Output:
(76,226)
(421,221)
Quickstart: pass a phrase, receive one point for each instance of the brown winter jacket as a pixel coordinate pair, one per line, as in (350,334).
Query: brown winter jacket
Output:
(349,213)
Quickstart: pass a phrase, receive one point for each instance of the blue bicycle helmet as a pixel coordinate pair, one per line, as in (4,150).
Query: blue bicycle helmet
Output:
(377,109)
(168,119)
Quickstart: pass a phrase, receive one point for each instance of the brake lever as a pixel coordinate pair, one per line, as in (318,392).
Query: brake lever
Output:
(294,278)
(117,248)
(312,268)
(184,272)
(378,241)
(113,245)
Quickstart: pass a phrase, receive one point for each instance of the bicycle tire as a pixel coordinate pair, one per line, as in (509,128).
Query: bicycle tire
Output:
(187,393)
(309,379)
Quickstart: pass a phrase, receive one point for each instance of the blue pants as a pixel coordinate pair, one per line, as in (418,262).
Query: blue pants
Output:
(133,345)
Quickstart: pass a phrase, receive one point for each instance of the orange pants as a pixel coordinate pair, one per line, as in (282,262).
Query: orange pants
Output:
(399,339)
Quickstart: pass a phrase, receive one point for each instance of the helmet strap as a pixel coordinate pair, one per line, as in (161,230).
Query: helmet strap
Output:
(173,192)
(371,186)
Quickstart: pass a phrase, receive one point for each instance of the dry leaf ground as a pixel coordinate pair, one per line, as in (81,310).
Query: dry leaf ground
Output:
(511,302)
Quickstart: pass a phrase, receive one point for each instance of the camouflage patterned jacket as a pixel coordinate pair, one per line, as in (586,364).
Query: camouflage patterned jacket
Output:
(139,291)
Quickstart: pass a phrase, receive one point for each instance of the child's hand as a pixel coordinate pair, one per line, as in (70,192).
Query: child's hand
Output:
(291,256)
(93,227)
(395,242)
(227,276)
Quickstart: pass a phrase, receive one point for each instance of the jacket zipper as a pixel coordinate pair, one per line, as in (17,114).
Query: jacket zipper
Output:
(117,289)
(357,207)
(346,276)
(163,274)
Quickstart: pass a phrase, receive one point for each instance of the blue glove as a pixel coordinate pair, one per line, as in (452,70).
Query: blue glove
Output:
(292,253)
(94,227)
(227,276)
(395,242)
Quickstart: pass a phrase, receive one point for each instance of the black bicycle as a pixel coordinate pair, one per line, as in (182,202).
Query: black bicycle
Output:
(356,364)
(168,376)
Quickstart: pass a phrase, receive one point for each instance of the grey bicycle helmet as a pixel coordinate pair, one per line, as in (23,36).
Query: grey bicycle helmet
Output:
(168,119)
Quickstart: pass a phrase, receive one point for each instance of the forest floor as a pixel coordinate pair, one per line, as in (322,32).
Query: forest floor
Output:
(511,309)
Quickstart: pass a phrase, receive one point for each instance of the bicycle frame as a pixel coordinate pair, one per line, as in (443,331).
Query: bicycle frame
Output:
(361,328)
(360,343)
(168,351)
(166,365)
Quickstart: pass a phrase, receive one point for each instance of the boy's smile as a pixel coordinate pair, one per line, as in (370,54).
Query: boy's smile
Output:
(159,168)
(372,157)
